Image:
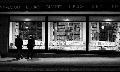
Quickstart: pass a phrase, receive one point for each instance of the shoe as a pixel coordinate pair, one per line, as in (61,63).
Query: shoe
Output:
(18,58)
(21,57)
(26,58)
(30,57)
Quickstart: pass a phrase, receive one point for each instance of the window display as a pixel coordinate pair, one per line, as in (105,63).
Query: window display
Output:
(26,26)
(67,35)
(25,29)
(104,35)
(67,32)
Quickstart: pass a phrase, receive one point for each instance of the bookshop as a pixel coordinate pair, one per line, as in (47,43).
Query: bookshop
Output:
(71,25)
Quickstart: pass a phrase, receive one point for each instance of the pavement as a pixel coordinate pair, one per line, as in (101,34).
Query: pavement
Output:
(61,64)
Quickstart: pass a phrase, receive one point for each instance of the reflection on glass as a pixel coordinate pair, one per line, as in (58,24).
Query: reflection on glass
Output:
(67,35)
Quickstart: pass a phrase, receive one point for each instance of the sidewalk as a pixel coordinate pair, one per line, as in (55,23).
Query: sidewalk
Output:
(61,63)
(56,55)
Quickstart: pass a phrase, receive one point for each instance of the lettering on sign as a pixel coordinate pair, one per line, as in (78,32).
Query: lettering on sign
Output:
(76,6)
(53,6)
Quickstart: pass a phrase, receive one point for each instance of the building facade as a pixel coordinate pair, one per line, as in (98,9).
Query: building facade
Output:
(61,26)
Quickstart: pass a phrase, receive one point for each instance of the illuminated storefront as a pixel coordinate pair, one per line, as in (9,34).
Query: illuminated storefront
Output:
(69,25)
(67,33)
(64,32)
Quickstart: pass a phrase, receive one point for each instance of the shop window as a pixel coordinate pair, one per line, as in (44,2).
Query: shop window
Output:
(104,33)
(66,35)
(25,29)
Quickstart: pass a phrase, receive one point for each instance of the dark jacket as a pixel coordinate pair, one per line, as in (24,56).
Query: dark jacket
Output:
(18,42)
(31,43)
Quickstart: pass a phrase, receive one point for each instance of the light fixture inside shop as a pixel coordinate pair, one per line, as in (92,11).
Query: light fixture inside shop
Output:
(27,19)
(108,21)
(26,27)
(66,20)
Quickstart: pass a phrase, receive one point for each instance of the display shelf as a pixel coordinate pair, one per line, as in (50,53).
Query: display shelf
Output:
(68,30)
(64,33)
(104,35)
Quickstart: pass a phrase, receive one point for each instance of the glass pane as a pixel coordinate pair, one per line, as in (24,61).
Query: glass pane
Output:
(37,29)
(27,18)
(66,18)
(104,35)
(104,18)
(67,35)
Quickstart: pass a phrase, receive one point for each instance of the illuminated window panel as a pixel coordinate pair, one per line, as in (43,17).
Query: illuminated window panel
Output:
(13,32)
(67,35)
(104,35)
(37,29)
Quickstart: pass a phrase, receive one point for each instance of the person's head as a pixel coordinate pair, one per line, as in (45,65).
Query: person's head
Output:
(18,36)
(31,36)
